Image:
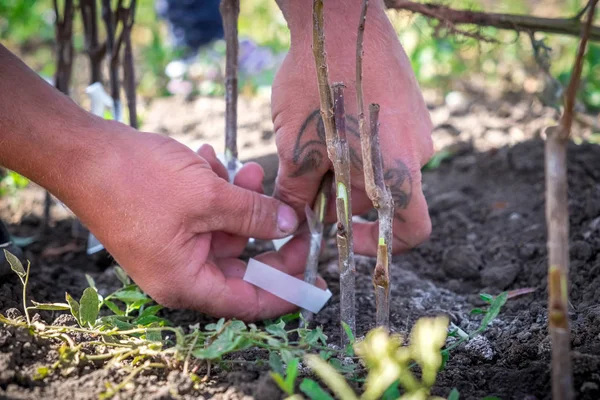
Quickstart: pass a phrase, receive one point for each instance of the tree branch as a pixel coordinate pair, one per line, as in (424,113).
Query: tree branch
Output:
(128,18)
(519,23)
(64,67)
(230,11)
(93,48)
(557,219)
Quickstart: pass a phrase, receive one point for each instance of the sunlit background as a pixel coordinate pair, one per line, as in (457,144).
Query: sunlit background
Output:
(443,62)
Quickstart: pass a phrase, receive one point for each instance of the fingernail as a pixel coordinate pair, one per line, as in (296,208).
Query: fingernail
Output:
(287,221)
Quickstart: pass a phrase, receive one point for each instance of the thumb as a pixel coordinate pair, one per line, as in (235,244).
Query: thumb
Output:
(246,213)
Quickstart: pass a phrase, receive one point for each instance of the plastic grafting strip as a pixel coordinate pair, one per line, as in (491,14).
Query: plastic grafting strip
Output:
(286,287)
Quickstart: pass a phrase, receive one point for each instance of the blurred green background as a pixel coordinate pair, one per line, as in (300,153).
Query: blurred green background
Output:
(442,62)
(26,27)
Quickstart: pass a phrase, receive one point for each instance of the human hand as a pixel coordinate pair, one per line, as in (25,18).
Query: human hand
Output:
(174,223)
(405,125)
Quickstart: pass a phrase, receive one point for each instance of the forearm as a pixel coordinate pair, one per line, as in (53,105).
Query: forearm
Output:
(43,134)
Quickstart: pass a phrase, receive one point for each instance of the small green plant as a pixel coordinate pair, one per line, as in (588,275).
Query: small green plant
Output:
(389,362)
(125,328)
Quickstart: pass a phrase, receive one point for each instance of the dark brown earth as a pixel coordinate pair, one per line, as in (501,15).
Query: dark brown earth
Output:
(487,209)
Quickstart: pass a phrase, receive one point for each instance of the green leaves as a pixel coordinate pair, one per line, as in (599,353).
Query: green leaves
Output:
(454,395)
(88,311)
(15,264)
(122,276)
(74,305)
(277,330)
(227,341)
(51,306)
(287,384)
(314,391)
(495,307)
(351,338)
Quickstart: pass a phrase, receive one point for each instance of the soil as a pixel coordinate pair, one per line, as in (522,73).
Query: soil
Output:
(489,235)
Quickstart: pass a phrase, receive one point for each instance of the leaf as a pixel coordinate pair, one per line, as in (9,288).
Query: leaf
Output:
(437,160)
(454,395)
(291,374)
(113,307)
(315,392)
(275,363)
(237,326)
(129,296)
(350,346)
(154,336)
(345,369)
(88,310)
(115,321)
(215,327)
(445,358)
(278,378)
(15,263)
(136,305)
(290,317)
(152,310)
(149,319)
(325,355)
(90,281)
(122,276)
(315,336)
(488,298)
(41,373)
(74,306)
(477,311)
(277,330)
(330,377)
(50,306)
(287,356)
(227,342)
(348,332)
(493,312)
(491,398)
(392,392)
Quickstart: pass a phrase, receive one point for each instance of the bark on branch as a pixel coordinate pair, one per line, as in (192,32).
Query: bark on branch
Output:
(515,22)
(557,219)
(334,121)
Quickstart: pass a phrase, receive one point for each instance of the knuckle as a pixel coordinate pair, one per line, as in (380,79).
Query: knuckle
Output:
(249,221)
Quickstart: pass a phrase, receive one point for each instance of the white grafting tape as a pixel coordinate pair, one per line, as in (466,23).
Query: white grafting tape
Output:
(286,287)
(278,243)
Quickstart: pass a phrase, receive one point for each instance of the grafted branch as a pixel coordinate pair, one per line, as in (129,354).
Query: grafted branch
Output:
(515,22)
(557,218)
(230,11)
(334,121)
